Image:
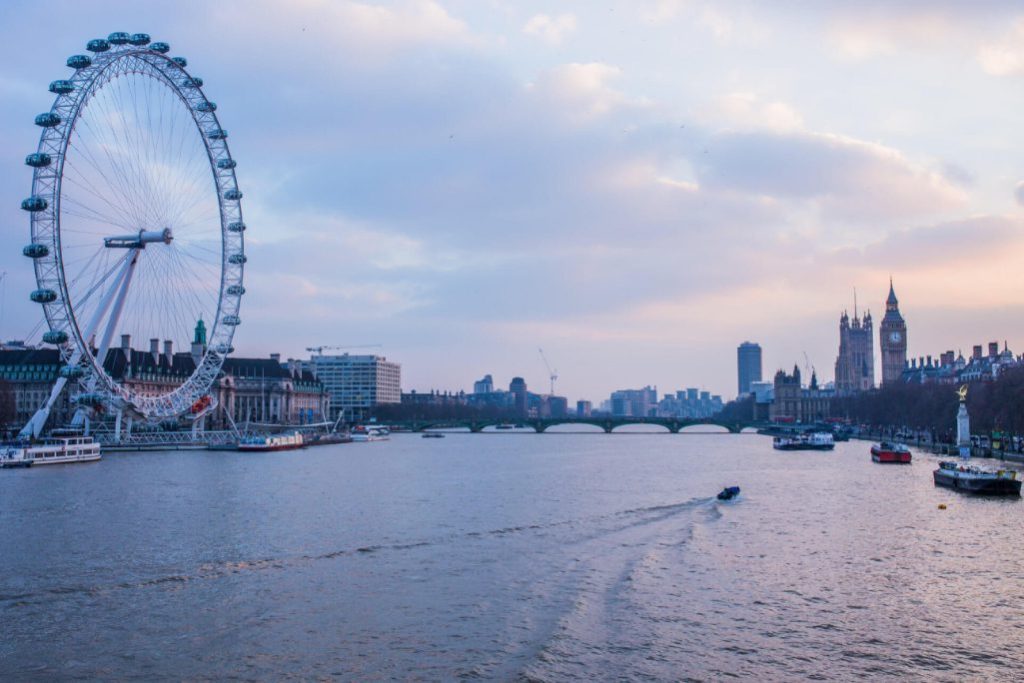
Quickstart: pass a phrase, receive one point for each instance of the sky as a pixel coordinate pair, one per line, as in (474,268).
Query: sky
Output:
(635,187)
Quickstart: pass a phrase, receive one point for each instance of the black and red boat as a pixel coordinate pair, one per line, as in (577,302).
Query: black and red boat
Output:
(890,452)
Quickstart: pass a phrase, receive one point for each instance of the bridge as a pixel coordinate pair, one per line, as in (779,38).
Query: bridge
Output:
(540,425)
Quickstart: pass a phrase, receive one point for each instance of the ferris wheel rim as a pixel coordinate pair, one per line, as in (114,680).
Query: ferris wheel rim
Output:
(72,96)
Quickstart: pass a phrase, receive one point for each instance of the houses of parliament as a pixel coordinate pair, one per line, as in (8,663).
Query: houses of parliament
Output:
(855,365)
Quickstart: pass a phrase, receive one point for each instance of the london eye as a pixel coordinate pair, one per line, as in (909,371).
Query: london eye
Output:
(136,225)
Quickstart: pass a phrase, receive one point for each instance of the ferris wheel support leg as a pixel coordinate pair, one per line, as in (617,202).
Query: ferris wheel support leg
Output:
(124,281)
(117,427)
(117,293)
(34,427)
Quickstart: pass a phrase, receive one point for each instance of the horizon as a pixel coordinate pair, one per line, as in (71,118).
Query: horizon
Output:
(636,188)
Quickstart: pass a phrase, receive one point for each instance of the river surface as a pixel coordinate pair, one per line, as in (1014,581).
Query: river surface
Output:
(550,557)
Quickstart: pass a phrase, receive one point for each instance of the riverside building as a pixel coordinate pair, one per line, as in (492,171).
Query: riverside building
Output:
(356,384)
(855,365)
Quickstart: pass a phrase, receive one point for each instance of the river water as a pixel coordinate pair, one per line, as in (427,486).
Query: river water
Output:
(546,557)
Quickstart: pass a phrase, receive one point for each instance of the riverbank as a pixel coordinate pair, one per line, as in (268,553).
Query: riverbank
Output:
(945,448)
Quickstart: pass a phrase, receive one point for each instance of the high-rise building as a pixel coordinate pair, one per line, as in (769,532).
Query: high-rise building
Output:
(517,387)
(748,365)
(855,365)
(583,408)
(892,340)
(484,386)
(634,402)
(357,383)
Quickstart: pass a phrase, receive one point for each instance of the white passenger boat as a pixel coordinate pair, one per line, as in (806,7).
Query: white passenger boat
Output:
(370,433)
(52,451)
(276,442)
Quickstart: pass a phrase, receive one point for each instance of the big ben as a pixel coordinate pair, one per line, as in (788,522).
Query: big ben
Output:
(892,340)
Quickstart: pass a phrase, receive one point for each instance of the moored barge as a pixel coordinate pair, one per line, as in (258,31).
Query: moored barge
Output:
(971,479)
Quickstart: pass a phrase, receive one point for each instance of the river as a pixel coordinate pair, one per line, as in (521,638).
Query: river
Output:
(547,557)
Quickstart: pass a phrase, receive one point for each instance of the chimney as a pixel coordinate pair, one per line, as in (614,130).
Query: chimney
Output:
(977,352)
(993,349)
(168,352)
(126,342)
(929,360)
(154,349)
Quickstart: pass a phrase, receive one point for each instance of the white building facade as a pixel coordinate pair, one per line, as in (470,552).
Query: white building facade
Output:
(356,384)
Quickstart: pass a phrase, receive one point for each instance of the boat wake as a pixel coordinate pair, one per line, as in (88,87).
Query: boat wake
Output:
(588,528)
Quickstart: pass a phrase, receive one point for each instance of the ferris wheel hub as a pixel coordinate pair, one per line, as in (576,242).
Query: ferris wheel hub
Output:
(140,240)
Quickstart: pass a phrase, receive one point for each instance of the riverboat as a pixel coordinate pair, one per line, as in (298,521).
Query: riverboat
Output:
(890,452)
(433,435)
(361,434)
(814,441)
(55,450)
(274,442)
(971,479)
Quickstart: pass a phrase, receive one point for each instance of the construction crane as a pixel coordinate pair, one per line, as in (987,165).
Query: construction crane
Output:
(808,367)
(552,374)
(318,350)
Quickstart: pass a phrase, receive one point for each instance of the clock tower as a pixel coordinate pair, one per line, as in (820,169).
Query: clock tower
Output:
(893,340)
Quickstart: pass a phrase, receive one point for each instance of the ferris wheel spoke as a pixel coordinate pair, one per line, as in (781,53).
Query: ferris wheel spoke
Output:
(121,218)
(123,185)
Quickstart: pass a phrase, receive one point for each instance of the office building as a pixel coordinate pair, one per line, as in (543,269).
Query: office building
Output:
(748,365)
(356,384)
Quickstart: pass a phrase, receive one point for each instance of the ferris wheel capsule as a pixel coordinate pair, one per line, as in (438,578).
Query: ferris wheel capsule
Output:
(38,160)
(35,250)
(79,61)
(97,45)
(55,337)
(62,87)
(119,38)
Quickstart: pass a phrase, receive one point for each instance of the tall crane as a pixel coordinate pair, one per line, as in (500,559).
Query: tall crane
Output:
(808,367)
(552,374)
(318,350)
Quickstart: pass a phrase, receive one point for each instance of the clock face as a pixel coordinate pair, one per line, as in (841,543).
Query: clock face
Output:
(895,337)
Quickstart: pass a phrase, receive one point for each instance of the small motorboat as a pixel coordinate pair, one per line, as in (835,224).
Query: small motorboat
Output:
(729,492)
(433,435)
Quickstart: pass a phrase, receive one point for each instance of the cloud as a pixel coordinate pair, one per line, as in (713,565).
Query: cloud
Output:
(580,91)
(849,178)
(747,111)
(1004,56)
(942,244)
(661,11)
(551,30)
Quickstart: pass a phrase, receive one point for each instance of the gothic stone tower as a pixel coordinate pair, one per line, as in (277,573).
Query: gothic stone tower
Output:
(892,339)
(855,365)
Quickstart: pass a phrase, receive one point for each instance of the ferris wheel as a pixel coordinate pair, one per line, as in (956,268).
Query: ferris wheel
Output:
(137,227)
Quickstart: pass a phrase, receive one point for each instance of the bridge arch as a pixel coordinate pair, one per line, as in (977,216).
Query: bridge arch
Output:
(705,428)
(575,427)
(643,428)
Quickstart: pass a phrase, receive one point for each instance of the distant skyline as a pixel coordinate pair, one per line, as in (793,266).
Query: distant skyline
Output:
(635,187)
